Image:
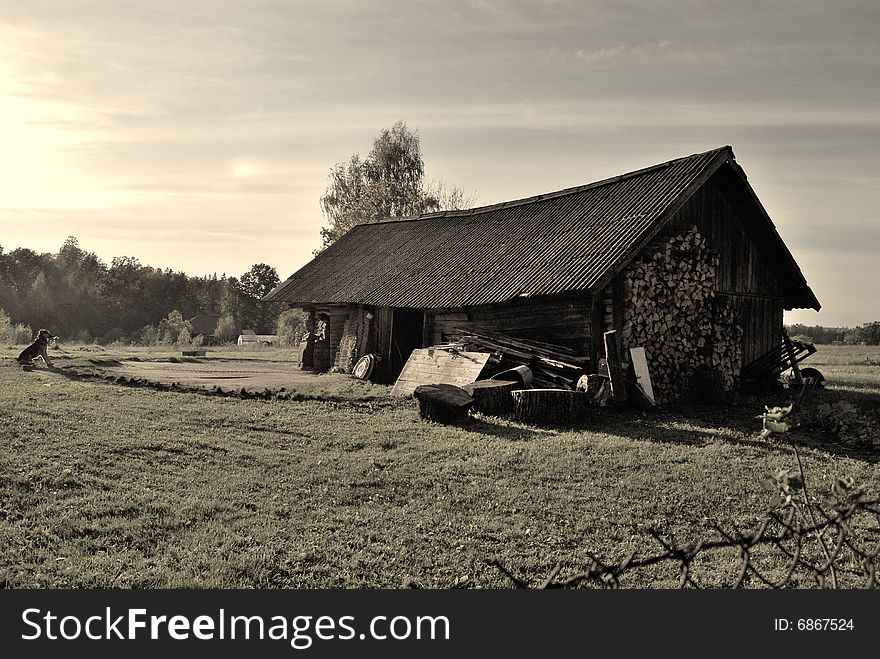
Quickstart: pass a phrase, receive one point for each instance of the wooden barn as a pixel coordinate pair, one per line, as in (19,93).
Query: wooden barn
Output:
(680,257)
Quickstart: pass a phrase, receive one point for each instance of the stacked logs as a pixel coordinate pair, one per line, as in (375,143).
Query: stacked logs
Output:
(670,308)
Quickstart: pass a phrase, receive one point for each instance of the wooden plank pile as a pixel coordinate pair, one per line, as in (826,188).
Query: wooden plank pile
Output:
(519,365)
(446,403)
(552,366)
(670,308)
(436,366)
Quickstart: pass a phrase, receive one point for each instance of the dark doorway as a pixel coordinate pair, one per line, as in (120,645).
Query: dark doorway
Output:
(407,334)
(322,356)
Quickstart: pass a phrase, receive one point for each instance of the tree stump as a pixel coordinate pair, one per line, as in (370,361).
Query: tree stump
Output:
(522,375)
(549,406)
(492,396)
(443,403)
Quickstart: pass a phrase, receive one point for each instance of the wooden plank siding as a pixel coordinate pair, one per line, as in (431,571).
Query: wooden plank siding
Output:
(561,321)
(743,267)
(761,320)
(383,319)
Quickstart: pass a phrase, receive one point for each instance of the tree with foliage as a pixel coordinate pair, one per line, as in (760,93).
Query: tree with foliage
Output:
(148,336)
(76,295)
(227,329)
(185,337)
(172,327)
(389,183)
(290,327)
(869,333)
(816,333)
(259,280)
(41,301)
(13,333)
(243,299)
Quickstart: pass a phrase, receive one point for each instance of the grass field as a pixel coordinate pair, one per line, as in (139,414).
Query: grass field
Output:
(109,486)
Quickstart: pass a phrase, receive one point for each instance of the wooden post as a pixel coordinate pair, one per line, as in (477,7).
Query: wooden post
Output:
(615,369)
(790,355)
(308,354)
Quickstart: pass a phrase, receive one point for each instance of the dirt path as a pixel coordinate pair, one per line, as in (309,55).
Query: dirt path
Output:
(229,374)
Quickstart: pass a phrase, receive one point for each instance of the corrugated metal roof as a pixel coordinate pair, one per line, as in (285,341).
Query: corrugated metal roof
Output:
(567,241)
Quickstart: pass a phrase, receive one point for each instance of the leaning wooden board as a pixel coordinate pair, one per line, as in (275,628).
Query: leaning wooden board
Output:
(643,376)
(435,366)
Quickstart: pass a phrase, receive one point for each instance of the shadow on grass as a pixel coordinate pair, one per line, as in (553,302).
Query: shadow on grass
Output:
(694,425)
(679,427)
(699,425)
(503,428)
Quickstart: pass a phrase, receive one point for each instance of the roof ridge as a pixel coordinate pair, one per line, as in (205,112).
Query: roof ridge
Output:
(552,195)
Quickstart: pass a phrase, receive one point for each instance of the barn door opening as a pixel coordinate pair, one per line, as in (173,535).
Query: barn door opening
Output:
(407,334)
(322,355)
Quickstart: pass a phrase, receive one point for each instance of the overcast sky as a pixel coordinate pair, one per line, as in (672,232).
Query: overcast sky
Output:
(199,135)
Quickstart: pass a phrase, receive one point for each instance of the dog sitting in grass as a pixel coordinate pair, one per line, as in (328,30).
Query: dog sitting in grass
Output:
(37,349)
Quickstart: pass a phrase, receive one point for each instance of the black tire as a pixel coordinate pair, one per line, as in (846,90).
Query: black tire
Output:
(815,377)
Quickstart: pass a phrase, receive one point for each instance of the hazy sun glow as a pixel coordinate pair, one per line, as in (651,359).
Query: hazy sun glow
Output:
(243,169)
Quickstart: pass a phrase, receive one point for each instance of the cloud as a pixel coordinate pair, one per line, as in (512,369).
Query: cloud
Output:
(607,54)
(125,120)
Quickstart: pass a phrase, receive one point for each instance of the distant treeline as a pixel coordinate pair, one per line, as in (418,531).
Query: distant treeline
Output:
(816,333)
(868,333)
(77,296)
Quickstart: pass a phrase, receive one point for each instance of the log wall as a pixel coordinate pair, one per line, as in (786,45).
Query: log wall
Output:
(561,321)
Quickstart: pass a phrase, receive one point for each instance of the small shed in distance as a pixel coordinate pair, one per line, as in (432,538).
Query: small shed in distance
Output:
(250,337)
(204,324)
(680,257)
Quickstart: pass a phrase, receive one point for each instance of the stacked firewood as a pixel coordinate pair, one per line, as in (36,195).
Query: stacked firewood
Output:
(670,308)
(552,366)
